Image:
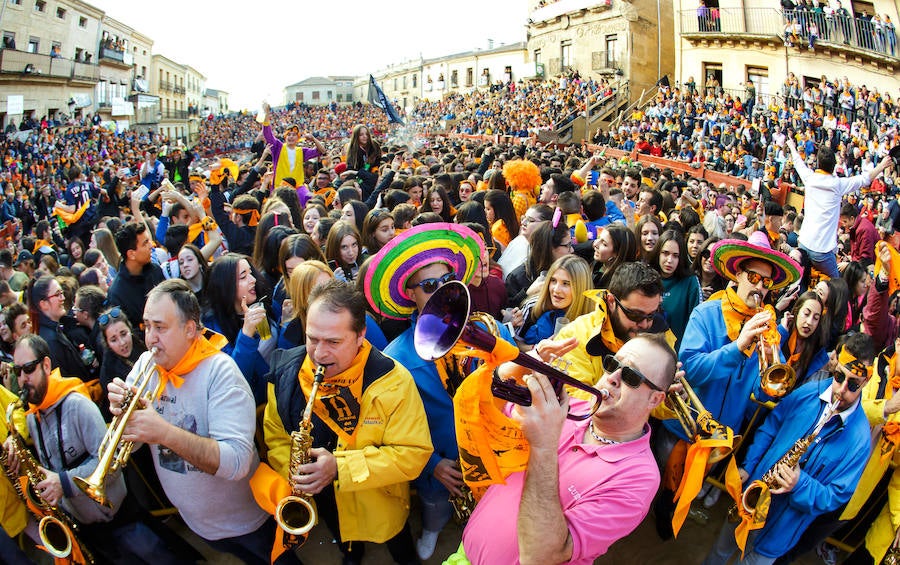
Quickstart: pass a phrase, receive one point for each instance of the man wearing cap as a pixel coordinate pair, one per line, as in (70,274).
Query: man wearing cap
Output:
(401,279)
(287,158)
(629,306)
(25,263)
(824,190)
(825,476)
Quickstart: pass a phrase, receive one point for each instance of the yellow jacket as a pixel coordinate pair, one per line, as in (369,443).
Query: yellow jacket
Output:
(12,511)
(391,447)
(881,535)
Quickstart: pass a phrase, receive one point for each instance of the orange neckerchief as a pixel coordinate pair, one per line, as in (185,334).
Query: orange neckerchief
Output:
(40,243)
(894,274)
(254,214)
(57,388)
(339,396)
(500,233)
(491,445)
(269,488)
(199,350)
(736,313)
(792,349)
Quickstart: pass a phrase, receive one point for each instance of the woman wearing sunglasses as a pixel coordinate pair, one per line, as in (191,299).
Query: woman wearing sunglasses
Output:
(122,347)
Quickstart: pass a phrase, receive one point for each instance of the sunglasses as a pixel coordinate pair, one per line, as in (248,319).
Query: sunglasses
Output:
(753,277)
(429,286)
(853,384)
(630,376)
(108,317)
(634,315)
(25,369)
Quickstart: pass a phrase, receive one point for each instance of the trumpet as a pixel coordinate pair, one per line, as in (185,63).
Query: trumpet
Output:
(113,451)
(295,513)
(444,327)
(698,422)
(55,528)
(775,378)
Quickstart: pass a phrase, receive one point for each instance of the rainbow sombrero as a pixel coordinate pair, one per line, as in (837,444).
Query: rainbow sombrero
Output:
(728,254)
(457,246)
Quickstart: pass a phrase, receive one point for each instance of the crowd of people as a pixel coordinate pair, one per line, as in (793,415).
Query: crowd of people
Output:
(278,285)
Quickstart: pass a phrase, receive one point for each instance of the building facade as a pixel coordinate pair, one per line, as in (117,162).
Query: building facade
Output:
(215,102)
(167,81)
(320,91)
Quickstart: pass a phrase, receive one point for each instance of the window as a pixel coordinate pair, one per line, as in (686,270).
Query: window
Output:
(40,5)
(470,75)
(330,95)
(760,78)
(340,97)
(404,82)
(612,42)
(82,22)
(61,13)
(299,97)
(712,77)
(316,95)
(454,78)
(537,55)
(349,98)
(565,54)
(15,2)
(9,38)
(415,79)
(78,53)
(33,44)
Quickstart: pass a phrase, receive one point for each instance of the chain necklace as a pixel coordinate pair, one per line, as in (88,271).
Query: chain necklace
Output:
(601,439)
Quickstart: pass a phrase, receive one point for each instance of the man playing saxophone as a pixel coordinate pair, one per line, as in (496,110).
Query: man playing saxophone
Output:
(67,429)
(13,515)
(815,478)
(200,427)
(369,432)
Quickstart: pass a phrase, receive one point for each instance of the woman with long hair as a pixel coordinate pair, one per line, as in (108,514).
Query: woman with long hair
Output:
(122,350)
(194,269)
(378,230)
(343,249)
(561,296)
(681,292)
(803,336)
(438,201)
(268,265)
(362,153)
(647,232)
(548,243)
(265,225)
(235,310)
(614,246)
(311,216)
(702,267)
(835,295)
(355,212)
(103,239)
(301,281)
(75,248)
(858,282)
(501,216)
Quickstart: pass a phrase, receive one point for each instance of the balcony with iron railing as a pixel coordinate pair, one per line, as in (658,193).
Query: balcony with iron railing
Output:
(858,35)
(174,114)
(27,64)
(166,85)
(178,89)
(552,9)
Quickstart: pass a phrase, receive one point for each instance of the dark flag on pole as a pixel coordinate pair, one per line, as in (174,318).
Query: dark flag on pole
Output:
(377,98)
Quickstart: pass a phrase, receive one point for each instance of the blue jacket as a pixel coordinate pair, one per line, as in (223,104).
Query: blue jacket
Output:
(245,352)
(830,468)
(438,404)
(543,327)
(721,375)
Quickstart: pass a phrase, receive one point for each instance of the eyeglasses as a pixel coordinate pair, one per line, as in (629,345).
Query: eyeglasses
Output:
(429,286)
(630,376)
(853,384)
(753,277)
(529,220)
(25,369)
(106,318)
(58,294)
(567,244)
(634,315)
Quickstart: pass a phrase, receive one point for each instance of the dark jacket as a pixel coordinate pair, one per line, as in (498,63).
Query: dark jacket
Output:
(63,353)
(130,292)
(239,238)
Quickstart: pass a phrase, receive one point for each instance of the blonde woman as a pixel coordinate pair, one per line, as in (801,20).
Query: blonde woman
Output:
(305,276)
(561,296)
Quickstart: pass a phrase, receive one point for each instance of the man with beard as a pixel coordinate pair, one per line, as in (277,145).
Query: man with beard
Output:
(629,306)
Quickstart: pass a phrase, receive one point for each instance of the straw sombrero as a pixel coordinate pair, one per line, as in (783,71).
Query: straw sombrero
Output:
(456,246)
(728,254)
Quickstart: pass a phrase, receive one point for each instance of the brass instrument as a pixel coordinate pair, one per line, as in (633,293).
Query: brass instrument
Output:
(751,495)
(892,557)
(113,452)
(55,528)
(775,378)
(295,513)
(464,504)
(697,421)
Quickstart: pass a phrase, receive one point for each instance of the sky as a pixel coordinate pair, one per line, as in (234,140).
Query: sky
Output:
(252,50)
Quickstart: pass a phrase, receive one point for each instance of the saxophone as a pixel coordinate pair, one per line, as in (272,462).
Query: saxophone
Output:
(463,505)
(55,528)
(752,494)
(295,513)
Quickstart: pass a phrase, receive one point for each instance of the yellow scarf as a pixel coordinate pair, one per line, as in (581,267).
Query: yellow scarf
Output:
(736,314)
(199,350)
(57,387)
(607,335)
(283,168)
(338,400)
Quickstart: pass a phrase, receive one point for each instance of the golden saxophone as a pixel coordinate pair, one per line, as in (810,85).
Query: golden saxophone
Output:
(113,452)
(751,495)
(892,557)
(295,513)
(55,528)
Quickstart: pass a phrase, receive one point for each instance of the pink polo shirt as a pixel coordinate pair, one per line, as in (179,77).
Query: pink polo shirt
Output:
(605,491)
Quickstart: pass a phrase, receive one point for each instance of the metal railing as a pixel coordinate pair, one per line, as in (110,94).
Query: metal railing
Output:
(34,64)
(174,114)
(794,27)
(115,55)
(166,85)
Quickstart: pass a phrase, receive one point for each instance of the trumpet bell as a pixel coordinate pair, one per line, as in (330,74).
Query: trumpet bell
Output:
(295,515)
(442,321)
(777,380)
(94,487)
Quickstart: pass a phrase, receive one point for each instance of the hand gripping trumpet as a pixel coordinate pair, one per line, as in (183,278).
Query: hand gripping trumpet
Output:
(55,528)
(295,513)
(113,451)
(775,378)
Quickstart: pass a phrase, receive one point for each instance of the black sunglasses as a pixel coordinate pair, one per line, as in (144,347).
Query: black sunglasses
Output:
(853,385)
(27,368)
(630,376)
(429,286)
(634,315)
(108,317)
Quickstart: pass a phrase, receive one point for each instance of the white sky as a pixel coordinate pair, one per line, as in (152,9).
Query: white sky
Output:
(252,50)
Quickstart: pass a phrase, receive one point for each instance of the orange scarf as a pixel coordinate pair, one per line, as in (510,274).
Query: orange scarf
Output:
(71,217)
(199,350)
(736,314)
(894,274)
(40,243)
(254,214)
(57,388)
(338,401)
(794,351)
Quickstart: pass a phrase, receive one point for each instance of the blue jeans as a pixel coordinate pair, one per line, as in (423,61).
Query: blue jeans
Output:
(826,263)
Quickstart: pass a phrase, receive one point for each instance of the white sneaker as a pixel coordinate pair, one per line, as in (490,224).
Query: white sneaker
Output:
(425,545)
(712,498)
